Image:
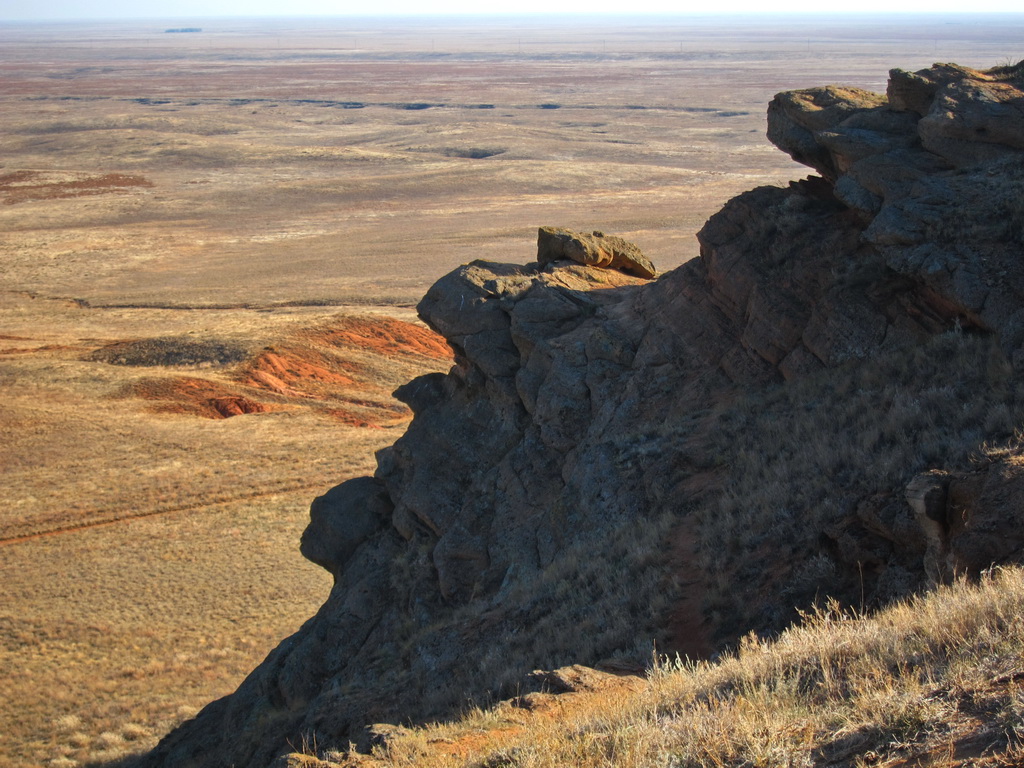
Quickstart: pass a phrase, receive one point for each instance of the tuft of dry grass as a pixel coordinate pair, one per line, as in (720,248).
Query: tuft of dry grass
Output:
(1010,71)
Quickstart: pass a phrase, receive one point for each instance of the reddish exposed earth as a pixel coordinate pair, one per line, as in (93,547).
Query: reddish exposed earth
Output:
(292,373)
(385,336)
(329,368)
(195,397)
(25,186)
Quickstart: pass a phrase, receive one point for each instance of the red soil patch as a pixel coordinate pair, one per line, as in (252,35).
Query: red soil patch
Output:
(384,336)
(312,371)
(195,397)
(290,373)
(30,350)
(24,186)
(351,418)
(305,374)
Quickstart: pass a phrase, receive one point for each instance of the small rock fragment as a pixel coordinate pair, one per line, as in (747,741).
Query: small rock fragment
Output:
(593,250)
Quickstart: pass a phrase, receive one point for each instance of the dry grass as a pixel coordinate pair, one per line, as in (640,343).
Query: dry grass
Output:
(149,559)
(75,419)
(104,654)
(932,681)
(1013,72)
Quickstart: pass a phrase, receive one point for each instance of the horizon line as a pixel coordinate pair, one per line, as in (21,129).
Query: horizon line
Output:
(544,15)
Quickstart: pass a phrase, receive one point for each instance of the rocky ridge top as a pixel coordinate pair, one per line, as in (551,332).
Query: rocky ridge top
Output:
(614,461)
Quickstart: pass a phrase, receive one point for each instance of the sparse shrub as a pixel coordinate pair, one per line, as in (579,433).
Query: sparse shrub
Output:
(66,723)
(134,732)
(170,351)
(472,153)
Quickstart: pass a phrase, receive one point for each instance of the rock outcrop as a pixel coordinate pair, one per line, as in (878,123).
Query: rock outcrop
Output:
(738,435)
(594,250)
(971,519)
(934,172)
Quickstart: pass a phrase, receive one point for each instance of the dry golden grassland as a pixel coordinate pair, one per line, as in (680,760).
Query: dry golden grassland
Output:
(189,224)
(122,631)
(935,681)
(149,555)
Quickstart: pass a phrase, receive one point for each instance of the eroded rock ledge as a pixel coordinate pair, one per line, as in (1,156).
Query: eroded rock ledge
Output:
(614,460)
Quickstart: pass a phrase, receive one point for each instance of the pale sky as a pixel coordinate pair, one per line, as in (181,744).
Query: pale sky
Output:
(13,10)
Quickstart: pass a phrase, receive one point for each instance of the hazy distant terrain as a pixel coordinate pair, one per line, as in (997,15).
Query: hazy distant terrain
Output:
(245,192)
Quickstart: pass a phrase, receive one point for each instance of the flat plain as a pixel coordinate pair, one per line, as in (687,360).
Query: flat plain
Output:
(211,246)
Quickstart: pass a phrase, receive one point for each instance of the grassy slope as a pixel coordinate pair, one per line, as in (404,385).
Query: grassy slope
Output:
(932,681)
(147,555)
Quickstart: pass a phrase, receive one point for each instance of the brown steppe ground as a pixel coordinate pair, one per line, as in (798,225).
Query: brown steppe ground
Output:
(238,223)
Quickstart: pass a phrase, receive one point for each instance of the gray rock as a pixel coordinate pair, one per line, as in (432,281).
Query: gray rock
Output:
(928,497)
(796,118)
(342,519)
(910,92)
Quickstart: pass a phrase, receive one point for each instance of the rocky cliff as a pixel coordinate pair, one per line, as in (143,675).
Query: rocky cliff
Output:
(616,461)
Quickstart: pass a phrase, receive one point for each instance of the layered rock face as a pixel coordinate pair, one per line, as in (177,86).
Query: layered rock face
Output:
(934,172)
(615,461)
